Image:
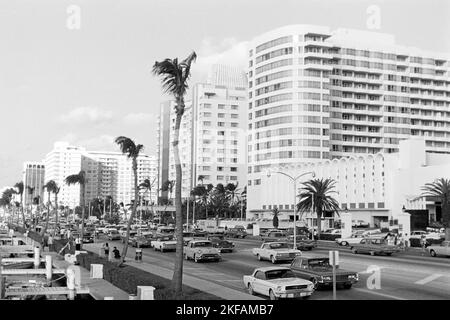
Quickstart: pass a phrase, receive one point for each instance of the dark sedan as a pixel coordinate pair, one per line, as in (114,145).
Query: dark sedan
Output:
(320,272)
(302,242)
(222,245)
(88,237)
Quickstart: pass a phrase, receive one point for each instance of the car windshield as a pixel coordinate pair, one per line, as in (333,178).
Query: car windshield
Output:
(203,244)
(165,239)
(277,274)
(279,245)
(319,263)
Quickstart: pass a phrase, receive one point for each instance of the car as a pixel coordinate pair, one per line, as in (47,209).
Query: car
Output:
(236,232)
(114,235)
(88,237)
(201,250)
(199,233)
(277,282)
(164,243)
(187,237)
(374,246)
(440,250)
(360,224)
(132,235)
(165,230)
(319,271)
(302,242)
(142,241)
(274,236)
(331,234)
(275,252)
(357,236)
(222,244)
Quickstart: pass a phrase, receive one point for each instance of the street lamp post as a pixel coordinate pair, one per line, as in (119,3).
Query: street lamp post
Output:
(294,180)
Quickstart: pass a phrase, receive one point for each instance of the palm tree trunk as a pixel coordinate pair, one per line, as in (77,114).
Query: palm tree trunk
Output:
(133,211)
(177,279)
(47,216)
(23,213)
(56,214)
(319,222)
(83,211)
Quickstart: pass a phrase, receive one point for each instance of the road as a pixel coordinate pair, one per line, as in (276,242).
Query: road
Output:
(401,277)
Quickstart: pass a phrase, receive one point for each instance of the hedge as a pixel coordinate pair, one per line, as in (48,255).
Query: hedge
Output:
(128,278)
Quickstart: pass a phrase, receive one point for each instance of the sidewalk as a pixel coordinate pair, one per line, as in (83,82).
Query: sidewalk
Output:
(193,282)
(200,284)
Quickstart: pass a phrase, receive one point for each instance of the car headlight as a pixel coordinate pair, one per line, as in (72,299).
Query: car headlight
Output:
(326,278)
(311,286)
(279,288)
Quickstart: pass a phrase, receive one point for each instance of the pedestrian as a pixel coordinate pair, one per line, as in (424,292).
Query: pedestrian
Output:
(50,243)
(116,253)
(106,249)
(315,234)
(77,244)
(406,241)
(423,242)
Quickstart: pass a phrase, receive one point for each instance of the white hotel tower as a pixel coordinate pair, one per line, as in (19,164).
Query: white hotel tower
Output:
(318,94)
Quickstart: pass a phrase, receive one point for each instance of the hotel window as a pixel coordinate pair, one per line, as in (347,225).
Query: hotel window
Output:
(221,124)
(221,106)
(221,115)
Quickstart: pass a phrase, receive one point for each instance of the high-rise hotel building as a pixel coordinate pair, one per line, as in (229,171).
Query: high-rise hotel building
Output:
(107,174)
(318,94)
(212,139)
(33,180)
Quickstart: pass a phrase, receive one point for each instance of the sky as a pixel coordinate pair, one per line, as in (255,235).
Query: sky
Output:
(80,70)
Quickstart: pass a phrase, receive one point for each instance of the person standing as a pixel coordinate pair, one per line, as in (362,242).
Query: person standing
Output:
(77,244)
(50,243)
(106,249)
(423,242)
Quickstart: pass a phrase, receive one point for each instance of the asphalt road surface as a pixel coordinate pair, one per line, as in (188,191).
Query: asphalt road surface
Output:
(400,277)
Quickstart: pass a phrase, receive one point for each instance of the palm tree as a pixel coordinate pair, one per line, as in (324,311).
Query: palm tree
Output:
(243,201)
(146,185)
(52,187)
(49,186)
(20,189)
(440,189)
(80,179)
(232,194)
(7,198)
(132,150)
(201,178)
(275,218)
(174,78)
(30,191)
(316,193)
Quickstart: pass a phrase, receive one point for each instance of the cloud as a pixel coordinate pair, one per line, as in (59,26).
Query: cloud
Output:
(139,118)
(87,115)
(229,51)
(98,143)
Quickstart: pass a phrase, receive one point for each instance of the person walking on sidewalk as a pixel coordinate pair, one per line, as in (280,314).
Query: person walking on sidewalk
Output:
(106,249)
(423,242)
(77,244)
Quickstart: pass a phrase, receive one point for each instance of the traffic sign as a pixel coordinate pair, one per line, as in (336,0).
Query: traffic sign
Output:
(334,258)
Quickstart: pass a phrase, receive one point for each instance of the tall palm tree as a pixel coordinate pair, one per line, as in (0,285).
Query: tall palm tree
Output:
(243,201)
(52,187)
(80,179)
(440,189)
(7,196)
(174,78)
(49,186)
(201,178)
(20,190)
(131,150)
(316,193)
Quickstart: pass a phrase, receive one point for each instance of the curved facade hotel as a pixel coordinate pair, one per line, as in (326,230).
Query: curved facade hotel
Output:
(317,94)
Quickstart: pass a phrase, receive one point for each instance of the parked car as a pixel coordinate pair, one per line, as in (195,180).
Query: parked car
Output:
(164,243)
(187,237)
(114,235)
(331,234)
(440,250)
(142,241)
(165,230)
(88,237)
(199,233)
(277,282)
(132,235)
(222,244)
(357,236)
(236,232)
(319,271)
(275,252)
(374,246)
(200,250)
(302,242)
(360,224)
(273,236)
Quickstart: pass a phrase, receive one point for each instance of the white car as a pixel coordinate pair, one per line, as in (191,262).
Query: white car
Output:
(200,250)
(358,236)
(428,235)
(276,251)
(164,243)
(440,250)
(278,282)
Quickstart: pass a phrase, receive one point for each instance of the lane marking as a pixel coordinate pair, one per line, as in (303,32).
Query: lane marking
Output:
(379,294)
(428,279)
